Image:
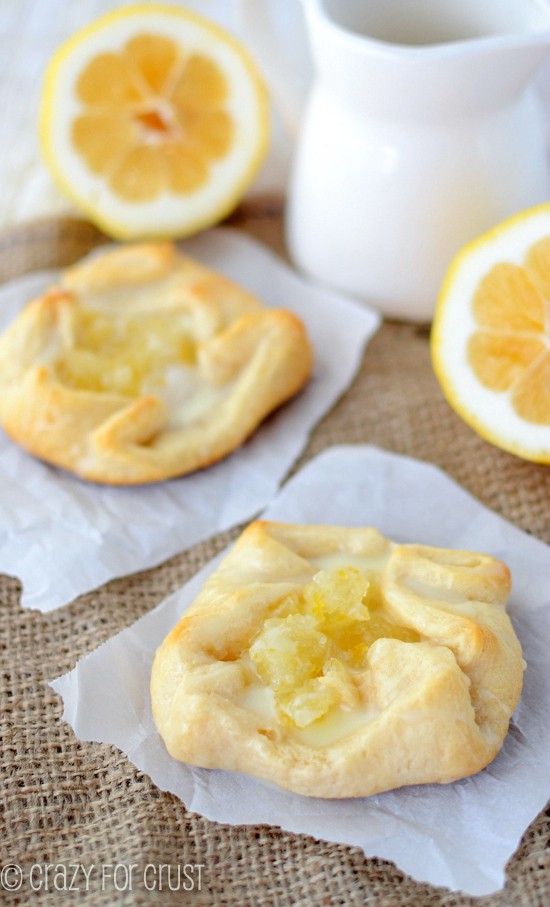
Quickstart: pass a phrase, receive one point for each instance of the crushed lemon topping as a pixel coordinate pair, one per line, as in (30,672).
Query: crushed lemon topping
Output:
(124,355)
(308,655)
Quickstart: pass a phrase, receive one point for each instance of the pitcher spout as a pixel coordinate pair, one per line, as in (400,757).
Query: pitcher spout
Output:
(429,23)
(417,58)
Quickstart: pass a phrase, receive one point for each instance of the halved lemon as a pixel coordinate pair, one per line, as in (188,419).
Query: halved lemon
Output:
(154,121)
(491,335)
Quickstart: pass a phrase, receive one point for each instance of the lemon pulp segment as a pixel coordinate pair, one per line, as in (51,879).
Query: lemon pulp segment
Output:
(153,118)
(309,653)
(509,350)
(490,337)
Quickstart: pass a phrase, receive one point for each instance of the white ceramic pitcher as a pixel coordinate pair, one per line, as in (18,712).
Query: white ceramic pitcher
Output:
(421,131)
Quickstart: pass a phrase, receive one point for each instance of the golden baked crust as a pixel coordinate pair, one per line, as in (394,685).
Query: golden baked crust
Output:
(426,697)
(143,365)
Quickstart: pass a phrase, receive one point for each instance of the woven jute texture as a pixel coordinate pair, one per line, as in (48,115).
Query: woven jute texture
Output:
(66,803)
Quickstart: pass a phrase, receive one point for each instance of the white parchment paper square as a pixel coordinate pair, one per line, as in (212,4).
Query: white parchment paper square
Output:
(62,537)
(457,835)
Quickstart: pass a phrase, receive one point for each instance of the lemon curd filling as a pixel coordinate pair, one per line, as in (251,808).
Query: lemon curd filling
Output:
(307,659)
(123,354)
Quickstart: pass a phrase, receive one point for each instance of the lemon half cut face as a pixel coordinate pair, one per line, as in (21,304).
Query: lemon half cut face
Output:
(491,335)
(153,121)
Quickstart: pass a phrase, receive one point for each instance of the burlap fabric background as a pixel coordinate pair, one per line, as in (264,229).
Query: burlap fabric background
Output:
(65,802)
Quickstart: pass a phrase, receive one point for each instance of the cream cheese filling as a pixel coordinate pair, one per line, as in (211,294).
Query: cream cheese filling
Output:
(343,559)
(334,726)
(146,353)
(187,396)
